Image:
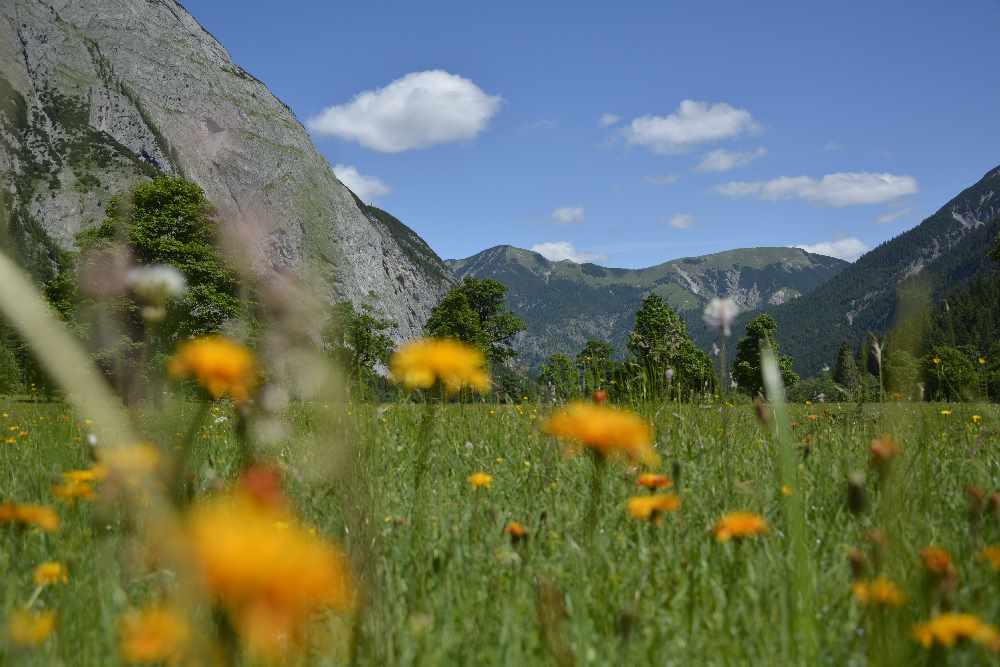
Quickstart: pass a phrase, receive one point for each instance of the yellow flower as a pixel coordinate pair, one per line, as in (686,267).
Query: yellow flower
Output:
(30,628)
(945,413)
(421,363)
(991,555)
(71,491)
(982,361)
(880,591)
(30,515)
(948,629)
(479,480)
(936,360)
(786,490)
(51,572)
(654,481)
(937,561)
(976,419)
(739,525)
(11,440)
(222,367)
(271,580)
(607,431)
(95,473)
(652,507)
(154,635)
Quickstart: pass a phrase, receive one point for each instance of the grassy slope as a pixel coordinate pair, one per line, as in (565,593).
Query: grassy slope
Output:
(457,593)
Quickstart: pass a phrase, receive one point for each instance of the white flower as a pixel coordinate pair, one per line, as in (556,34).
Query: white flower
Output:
(91,439)
(720,313)
(156,284)
(670,375)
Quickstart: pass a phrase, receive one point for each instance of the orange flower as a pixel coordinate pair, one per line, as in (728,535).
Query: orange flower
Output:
(516,531)
(949,629)
(607,431)
(222,367)
(479,480)
(652,507)
(654,481)
(71,491)
(739,525)
(51,572)
(420,364)
(95,473)
(30,628)
(880,591)
(884,450)
(41,516)
(937,562)
(991,555)
(154,635)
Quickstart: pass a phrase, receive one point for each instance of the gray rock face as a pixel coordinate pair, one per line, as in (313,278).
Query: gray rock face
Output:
(98,94)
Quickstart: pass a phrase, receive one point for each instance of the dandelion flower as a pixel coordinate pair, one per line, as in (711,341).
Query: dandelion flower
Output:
(41,516)
(268,572)
(936,361)
(654,481)
(95,473)
(948,629)
(222,367)
(946,413)
(652,507)
(976,419)
(991,555)
(422,363)
(153,635)
(607,431)
(30,628)
(937,562)
(71,491)
(51,572)
(739,525)
(786,490)
(880,592)
(720,313)
(982,361)
(479,480)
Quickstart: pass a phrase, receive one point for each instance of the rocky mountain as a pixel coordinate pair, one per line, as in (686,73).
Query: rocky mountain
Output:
(564,304)
(97,94)
(935,258)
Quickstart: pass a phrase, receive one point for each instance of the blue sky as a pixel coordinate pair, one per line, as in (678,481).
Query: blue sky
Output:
(725,124)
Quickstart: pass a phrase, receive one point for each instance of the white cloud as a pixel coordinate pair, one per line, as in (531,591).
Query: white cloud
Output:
(568,215)
(418,110)
(681,221)
(662,179)
(840,189)
(692,123)
(892,216)
(609,119)
(557,251)
(723,160)
(365,187)
(848,249)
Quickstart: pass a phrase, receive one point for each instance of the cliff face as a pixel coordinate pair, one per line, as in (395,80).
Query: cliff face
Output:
(97,94)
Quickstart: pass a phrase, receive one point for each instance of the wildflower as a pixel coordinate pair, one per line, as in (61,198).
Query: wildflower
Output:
(883,450)
(422,363)
(51,572)
(30,628)
(600,396)
(739,525)
(71,491)
(936,361)
(95,473)
(879,591)
(949,629)
(991,555)
(975,419)
(30,515)
(654,481)
(11,440)
(153,635)
(946,413)
(155,285)
(221,366)
(937,562)
(270,580)
(720,313)
(652,507)
(517,532)
(982,361)
(606,431)
(478,480)
(786,490)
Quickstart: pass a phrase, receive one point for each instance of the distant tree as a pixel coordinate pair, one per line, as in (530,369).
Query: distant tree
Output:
(168,220)
(950,374)
(761,331)
(659,342)
(596,364)
(475,312)
(845,371)
(359,340)
(558,375)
